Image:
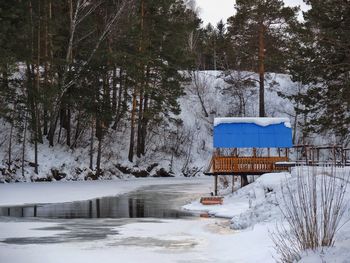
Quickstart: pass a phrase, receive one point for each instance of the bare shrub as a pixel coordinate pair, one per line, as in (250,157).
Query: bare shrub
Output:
(312,210)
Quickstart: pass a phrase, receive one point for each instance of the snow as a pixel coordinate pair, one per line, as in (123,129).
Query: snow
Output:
(199,240)
(242,201)
(251,214)
(180,240)
(261,121)
(259,205)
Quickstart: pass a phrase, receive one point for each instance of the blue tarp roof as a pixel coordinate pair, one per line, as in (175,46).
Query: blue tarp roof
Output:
(251,135)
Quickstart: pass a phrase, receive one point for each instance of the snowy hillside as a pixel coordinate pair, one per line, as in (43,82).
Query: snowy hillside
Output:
(176,148)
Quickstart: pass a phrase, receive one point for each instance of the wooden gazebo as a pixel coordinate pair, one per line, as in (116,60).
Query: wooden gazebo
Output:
(250,146)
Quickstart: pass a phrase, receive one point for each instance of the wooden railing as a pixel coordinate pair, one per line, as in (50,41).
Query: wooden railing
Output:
(231,164)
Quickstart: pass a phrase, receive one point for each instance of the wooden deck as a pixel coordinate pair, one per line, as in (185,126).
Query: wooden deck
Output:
(226,165)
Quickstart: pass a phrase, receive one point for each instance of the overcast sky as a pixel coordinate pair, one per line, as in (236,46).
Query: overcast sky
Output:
(214,10)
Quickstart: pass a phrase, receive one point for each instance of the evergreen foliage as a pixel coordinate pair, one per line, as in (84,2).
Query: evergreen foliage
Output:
(322,63)
(259,35)
(79,67)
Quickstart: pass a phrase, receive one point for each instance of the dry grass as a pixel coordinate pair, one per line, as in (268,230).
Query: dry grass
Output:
(313,211)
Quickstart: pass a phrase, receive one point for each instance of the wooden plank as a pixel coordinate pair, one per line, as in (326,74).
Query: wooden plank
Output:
(233,164)
(212,200)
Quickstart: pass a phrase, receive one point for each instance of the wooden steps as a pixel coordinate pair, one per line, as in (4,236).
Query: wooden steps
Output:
(212,200)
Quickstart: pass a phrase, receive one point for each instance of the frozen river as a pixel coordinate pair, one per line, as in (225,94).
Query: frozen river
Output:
(145,225)
(140,221)
(153,201)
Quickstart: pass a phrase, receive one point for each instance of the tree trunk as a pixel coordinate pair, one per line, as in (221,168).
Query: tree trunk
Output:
(106,94)
(261,71)
(98,159)
(36,154)
(119,110)
(68,125)
(139,125)
(51,133)
(46,54)
(33,113)
(37,91)
(202,104)
(144,126)
(295,126)
(10,148)
(91,153)
(99,131)
(132,127)
(78,130)
(134,97)
(244,180)
(24,142)
(114,91)
(31,85)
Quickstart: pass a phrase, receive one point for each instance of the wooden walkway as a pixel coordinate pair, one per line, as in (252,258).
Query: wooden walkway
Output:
(232,165)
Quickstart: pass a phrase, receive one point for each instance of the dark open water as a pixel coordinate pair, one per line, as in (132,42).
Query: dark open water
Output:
(148,202)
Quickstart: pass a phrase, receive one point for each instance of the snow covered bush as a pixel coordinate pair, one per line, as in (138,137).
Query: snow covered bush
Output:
(313,211)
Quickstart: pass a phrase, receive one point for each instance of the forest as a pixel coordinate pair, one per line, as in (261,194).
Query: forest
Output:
(76,75)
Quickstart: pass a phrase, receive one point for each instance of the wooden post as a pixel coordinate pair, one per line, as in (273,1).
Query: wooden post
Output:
(345,157)
(216,185)
(244,180)
(213,162)
(279,152)
(268,152)
(233,183)
(98,211)
(254,152)
(286,152)
(306,155)
(297,152)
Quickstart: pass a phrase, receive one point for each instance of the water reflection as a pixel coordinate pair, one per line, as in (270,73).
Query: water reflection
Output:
(145,203)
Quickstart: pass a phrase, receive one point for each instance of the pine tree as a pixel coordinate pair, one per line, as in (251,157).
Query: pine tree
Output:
(322,63)
(160,39)
(258,33)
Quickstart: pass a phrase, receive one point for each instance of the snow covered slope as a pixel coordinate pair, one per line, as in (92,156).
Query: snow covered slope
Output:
(259,205)
(183,149)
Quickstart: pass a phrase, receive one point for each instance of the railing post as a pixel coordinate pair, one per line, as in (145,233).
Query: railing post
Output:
(233,183)
(214,163)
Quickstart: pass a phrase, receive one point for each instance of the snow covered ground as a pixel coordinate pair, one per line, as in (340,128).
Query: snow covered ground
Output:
(192,240)
(243,236)
(257,206)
